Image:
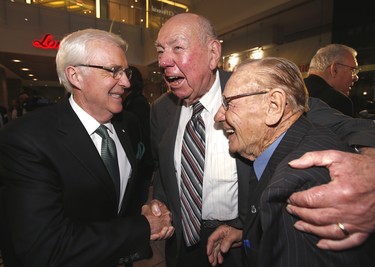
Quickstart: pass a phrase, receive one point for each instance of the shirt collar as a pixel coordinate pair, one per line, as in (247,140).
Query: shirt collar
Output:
(87,120)
(208,100)
(262,160)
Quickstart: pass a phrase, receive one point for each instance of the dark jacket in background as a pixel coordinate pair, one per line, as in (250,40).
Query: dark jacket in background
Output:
(136,103)
(319,88)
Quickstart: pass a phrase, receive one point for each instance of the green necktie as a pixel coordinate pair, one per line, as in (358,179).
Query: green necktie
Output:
(109,156)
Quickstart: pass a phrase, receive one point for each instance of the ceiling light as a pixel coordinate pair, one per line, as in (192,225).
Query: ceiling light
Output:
(173,3)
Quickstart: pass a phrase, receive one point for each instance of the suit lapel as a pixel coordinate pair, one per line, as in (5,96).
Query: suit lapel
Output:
(124,138)
(287,144)
(76,139)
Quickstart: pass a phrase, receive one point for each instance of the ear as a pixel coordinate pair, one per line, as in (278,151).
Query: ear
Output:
(333,69)
(73,76)
(215,52)
(276,106)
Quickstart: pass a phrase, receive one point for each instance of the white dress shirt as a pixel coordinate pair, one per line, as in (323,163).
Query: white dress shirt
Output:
(220,185)
(91,125)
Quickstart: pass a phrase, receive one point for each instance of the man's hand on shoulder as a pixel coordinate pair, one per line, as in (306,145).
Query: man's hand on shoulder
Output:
(347,203)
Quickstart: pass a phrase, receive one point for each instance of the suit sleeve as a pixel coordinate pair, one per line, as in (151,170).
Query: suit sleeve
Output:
(353,131)
(155,133)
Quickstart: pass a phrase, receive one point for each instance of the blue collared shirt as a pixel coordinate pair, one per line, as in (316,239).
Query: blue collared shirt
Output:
(261,162)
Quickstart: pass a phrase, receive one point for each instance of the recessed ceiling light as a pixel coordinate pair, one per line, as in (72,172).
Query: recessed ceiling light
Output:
(25,69)
(16,60)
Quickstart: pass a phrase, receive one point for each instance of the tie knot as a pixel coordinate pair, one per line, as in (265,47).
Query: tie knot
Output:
(197,109)
(102,131)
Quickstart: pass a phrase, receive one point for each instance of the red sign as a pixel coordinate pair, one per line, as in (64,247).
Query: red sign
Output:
(46,42)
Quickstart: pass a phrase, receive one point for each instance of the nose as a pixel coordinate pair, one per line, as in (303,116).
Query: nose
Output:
(165,60)
(220,114)
(124,81)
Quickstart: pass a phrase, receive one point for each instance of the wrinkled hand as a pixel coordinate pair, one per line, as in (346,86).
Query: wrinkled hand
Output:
(160,219)
(349,198)
(220,241)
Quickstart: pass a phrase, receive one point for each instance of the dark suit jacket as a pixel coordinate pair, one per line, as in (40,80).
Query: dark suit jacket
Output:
(269,227)
(59,200)
(319,88)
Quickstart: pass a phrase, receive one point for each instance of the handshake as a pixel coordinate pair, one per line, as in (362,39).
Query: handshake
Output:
(159,218)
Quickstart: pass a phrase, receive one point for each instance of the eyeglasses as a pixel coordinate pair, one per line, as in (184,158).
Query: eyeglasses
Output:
(117,71)
(355,70)
(226,100)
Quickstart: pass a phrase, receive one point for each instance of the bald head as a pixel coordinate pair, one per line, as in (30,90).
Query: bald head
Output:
(191,23)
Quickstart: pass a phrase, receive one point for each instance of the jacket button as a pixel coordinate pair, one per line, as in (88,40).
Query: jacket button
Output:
(253,209)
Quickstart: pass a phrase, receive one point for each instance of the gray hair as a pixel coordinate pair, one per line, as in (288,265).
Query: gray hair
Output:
(278,72)
(74,49)
(327,55)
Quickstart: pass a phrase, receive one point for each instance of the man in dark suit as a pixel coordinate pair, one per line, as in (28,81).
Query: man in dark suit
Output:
(332,72)
(262,114)
(189,53)
(60,204)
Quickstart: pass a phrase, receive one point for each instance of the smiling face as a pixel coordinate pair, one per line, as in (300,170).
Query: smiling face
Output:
(187,61)
(261,100)
(96,91)
(244,121)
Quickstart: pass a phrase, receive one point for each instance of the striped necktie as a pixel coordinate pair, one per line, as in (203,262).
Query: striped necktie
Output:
(192,170)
